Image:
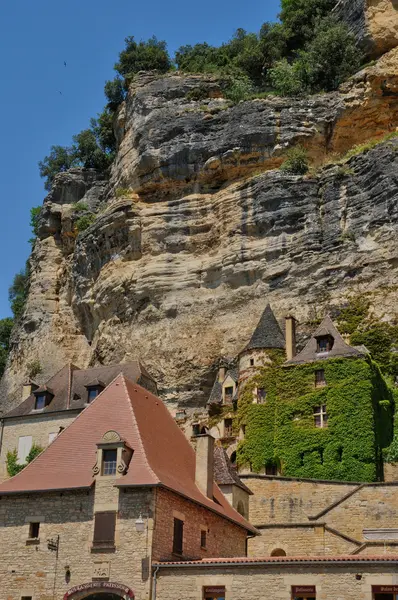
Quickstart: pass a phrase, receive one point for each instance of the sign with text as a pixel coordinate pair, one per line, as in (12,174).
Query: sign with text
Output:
(385,589)
(303,590)
(98,586)
(214,592)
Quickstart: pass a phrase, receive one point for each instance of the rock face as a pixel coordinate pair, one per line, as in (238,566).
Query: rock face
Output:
(373,22)
(177,268)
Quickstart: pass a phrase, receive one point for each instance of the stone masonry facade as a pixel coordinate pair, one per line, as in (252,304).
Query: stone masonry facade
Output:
(274,582)
(322,518)
(38,427)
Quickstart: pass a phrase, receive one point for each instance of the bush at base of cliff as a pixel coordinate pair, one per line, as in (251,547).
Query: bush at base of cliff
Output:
(297,161)
(13,467)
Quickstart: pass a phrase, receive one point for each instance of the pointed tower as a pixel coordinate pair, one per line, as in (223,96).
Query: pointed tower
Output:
(267,336)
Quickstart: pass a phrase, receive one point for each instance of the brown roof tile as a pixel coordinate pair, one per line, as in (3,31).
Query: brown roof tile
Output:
(162,455)
(282,559)
(69,386)
(340,348)
(224,472)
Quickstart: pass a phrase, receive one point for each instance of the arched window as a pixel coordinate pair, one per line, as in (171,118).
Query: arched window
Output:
(278,552)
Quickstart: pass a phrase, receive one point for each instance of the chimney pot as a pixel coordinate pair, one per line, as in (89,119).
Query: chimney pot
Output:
(204,472)
(290,337)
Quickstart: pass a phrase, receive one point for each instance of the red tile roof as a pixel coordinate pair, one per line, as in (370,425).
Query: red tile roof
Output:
(280,560)
(162,455)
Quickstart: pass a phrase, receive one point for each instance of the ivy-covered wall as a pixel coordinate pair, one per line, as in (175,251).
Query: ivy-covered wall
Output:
(360,409)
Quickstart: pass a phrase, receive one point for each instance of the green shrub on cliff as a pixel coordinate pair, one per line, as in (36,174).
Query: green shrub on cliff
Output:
(296,162)
(6,326)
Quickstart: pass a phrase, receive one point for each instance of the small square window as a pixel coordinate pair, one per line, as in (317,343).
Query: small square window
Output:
(34,529)
(261,395)
(92,394)
(252,362)
(320,380)
(26,597)
(109,460)
(227,428)
(324,344)
(203,539)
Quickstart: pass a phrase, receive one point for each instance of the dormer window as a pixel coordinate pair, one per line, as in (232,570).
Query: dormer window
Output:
(324,344)
(109,462)
(113,456)
(40,402)
(93,390)
(43,399)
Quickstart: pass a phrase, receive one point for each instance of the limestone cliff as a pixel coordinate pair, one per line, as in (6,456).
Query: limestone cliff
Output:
(197,229)
(373,22)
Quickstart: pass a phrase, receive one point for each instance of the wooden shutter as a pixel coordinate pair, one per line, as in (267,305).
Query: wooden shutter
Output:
(178,536)
(24,447)
(104,528)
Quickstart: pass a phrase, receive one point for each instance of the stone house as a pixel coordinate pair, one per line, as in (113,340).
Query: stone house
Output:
(118,489)
(299,414)
(46,410)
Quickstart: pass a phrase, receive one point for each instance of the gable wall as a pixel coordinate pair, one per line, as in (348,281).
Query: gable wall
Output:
(224,538)
(37,427)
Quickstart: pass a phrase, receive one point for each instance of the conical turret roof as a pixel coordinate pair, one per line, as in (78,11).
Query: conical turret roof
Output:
(267,334)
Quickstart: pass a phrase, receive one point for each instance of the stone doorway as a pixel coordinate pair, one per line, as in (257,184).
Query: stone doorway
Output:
(103,596)
(100,590)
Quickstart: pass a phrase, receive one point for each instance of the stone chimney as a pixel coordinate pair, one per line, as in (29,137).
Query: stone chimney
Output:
(204,472)
(222,371)
(290,337)
(27,389)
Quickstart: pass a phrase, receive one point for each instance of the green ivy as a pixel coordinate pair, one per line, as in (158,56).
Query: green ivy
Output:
(282,431)
(13,468)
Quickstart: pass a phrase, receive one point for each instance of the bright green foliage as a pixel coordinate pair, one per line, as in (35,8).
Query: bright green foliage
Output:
(13,468)
(330,57)
(18,292)
(6,326)
(296,162)
(287,79)
(84,222)
(299,18)
(34,219)
(239,88)
(380,339)
(143,56)
(282,431)
(60,159)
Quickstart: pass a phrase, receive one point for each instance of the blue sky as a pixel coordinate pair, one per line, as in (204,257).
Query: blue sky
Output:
(36,37)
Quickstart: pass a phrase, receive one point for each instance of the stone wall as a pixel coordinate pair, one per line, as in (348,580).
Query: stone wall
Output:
(283,500)
(332,581)
(31,569)
(224,538)
(39,427)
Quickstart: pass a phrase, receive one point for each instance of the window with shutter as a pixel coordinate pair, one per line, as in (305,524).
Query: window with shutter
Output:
(24,447)
(104,529)
(178,536)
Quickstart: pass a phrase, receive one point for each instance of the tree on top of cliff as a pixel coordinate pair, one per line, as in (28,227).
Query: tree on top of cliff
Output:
(61,158)
(143,56)
(299,18)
